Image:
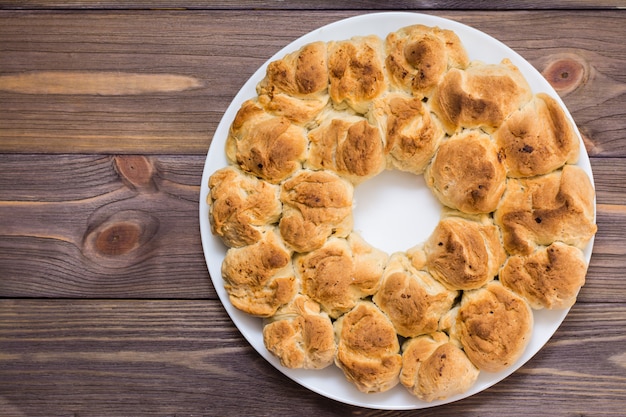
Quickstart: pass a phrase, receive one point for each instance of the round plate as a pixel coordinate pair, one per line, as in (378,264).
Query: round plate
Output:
(330,382)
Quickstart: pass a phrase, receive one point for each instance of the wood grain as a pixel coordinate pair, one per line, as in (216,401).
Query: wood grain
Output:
(317,5)
(126,51)
(169,357)
(127,226)
(107,110)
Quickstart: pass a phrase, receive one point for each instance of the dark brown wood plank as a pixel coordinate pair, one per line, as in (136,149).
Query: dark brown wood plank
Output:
(83,176)
(610,187)
(127,226)
(124,226)
(102,357)
(317,5)
(163,79)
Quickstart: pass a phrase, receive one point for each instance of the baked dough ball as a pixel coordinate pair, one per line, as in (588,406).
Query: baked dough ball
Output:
(418,56)
(434,368)
(301,335)
(542,210)
(296,86)
(494,326)
(537,139)
(348,145)
(316,204)
(467,173)
(464,254)
(270,147)
(340,273)
(413,300)
(356,72)
(550,277)
(481,96)
(259,278)
(241,206)
(412,133)
(368,350)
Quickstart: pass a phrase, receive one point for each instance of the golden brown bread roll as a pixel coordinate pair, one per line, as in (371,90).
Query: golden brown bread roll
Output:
(494,326)
(340,273)
(481,96)
(412,299)
(240,206)
(316,204)
(433,368)
(467,173)
(259,278)
(541,210)
(296,86)
(418,56)
(550,277)
(464,254)
(348,145)
(538,138)
(368,351)
(301,335)
(270,147)
(356,71)
(412,133)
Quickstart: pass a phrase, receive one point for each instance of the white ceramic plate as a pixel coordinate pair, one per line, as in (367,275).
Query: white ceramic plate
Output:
(331,382)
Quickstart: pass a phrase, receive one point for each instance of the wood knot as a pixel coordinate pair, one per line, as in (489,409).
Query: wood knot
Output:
(136,172)
(566,73)
(118,239)
(122,238)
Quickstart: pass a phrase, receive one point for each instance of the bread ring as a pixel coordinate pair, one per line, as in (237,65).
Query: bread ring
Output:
(517,213)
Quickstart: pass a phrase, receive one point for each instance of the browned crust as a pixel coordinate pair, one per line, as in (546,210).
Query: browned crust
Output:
(464,254)
(316,204)
(368,348)
(418,56)
(413,300)
(340,273)
(296,86)
(412,133)
(494,326)
(259,278)
(548,278)
(269,147)
(541,210)
(434,368)
(356,71)
(537,139)
(240,205)
(481,96)
(301,335)
(350,146)
(467,173)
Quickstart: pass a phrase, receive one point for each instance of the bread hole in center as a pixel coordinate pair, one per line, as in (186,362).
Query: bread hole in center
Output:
(395,211)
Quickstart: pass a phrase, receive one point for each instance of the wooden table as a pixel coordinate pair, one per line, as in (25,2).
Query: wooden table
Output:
(106,115)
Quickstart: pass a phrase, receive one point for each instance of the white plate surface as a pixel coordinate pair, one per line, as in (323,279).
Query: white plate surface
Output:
(330,382)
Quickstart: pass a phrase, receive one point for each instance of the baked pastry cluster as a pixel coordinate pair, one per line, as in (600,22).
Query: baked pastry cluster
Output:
(518,211)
